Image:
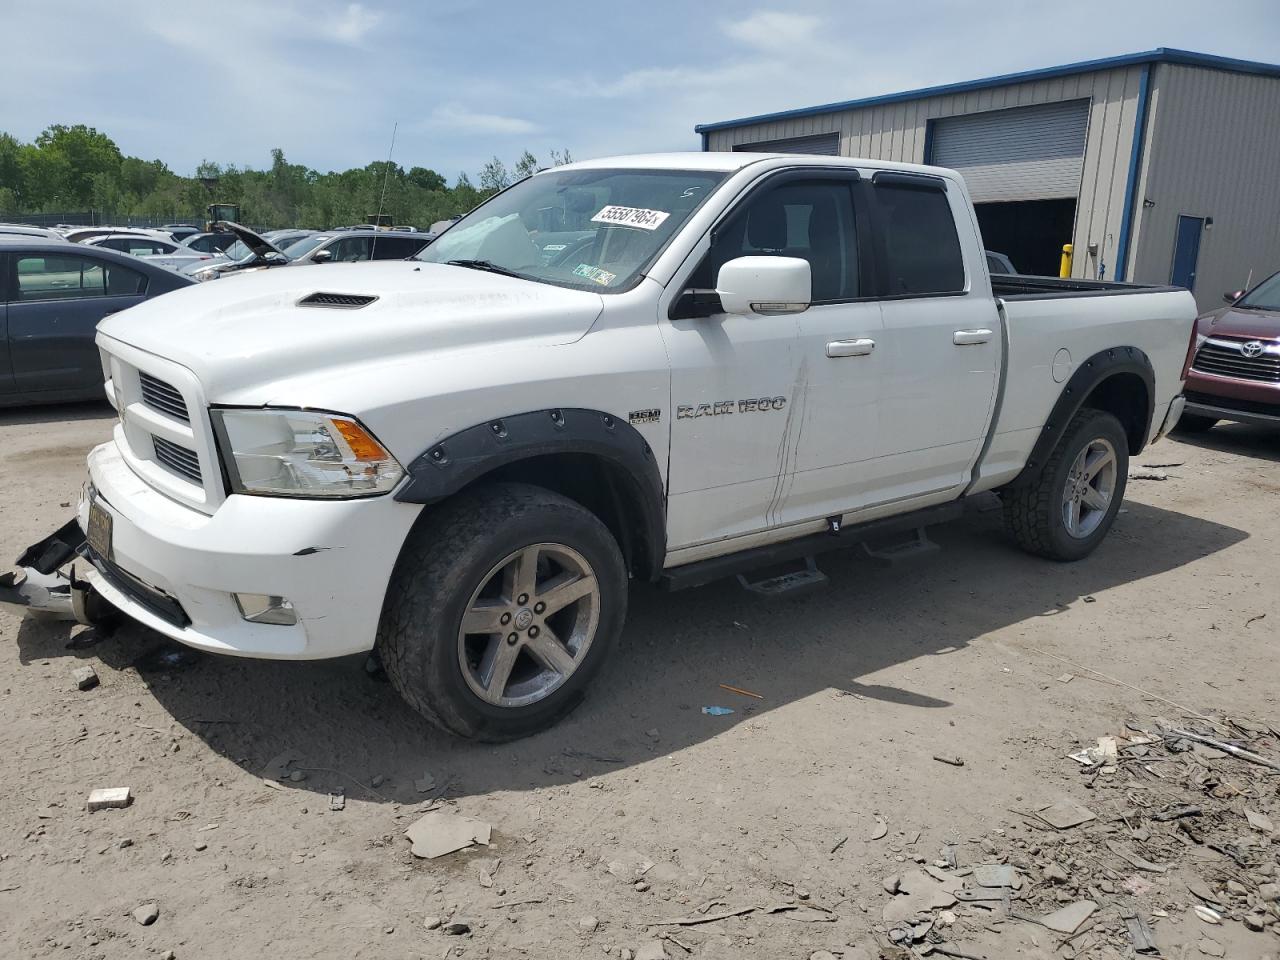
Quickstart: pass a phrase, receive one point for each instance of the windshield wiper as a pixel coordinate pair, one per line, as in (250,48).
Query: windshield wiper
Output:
(487,265)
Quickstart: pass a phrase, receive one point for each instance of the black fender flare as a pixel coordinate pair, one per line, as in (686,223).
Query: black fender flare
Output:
(1081,383)
(455,461)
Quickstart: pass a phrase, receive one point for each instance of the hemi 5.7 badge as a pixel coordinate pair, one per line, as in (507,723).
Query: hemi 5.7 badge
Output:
(652,415)
(721,407)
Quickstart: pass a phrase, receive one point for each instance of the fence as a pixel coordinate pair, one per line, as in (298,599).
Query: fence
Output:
(94,218)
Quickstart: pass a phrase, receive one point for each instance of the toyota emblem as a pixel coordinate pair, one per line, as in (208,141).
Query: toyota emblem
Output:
(1251,349)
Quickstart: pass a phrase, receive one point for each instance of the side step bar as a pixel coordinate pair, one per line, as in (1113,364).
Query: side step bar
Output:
(839,536)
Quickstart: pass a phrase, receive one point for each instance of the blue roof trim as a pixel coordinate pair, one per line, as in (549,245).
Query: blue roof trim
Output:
(1131,181)
(1159,55)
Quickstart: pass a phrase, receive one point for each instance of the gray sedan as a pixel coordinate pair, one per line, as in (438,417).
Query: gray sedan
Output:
(52,295)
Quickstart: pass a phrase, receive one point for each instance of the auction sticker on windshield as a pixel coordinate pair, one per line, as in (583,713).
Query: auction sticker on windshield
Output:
(602,277)
(637,217)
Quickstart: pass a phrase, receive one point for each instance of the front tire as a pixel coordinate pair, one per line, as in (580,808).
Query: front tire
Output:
(1067,509)
(504,604)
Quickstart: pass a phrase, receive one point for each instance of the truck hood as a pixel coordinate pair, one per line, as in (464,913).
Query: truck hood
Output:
(1249,324)
(247,332)
(262,248)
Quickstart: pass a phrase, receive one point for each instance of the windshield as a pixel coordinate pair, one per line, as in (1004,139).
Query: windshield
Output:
(1265,296)
(304,246)
(591,229)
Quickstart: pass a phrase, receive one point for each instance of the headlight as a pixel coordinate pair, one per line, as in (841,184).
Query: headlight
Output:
(300,453)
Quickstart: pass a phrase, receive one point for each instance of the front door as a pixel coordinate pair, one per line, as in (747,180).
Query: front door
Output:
(1186,252)
(771,412)
(53,312)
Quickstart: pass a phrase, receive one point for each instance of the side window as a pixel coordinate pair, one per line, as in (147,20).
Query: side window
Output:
(394,248)
(812,220)
(59,278)
(351,250)
(123,282)
(922,249)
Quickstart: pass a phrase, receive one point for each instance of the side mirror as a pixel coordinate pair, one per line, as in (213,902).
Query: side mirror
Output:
(322,256)
(1232,297)
(765,286)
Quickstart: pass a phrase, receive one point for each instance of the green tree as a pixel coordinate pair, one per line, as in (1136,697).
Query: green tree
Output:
(494,177)
(526,166)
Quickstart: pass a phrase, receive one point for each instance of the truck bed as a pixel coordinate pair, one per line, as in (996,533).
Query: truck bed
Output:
(1024,287)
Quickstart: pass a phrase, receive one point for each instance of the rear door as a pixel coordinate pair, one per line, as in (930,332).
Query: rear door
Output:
(56,302)
(397,247)
(941,348)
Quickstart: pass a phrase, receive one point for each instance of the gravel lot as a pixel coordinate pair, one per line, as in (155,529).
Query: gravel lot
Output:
(955,654)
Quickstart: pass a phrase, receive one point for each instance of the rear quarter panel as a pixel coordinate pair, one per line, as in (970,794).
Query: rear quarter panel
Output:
(1048,338)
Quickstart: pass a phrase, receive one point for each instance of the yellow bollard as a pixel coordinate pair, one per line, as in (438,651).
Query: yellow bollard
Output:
(1064,268)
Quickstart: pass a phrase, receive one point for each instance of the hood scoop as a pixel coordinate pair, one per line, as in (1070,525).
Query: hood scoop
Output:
(341,301)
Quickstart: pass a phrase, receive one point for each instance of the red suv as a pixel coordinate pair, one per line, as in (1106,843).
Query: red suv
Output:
(1235,368)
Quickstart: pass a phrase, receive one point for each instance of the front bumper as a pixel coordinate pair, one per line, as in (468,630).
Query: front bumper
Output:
(1225,408)
(175,569)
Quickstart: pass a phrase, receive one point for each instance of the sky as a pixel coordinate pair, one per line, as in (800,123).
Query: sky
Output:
(326,80)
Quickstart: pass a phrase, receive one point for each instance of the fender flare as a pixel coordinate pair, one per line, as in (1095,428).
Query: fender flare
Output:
(1100,366)
(461,458)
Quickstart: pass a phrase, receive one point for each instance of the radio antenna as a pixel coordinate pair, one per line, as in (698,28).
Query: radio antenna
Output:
(386,173)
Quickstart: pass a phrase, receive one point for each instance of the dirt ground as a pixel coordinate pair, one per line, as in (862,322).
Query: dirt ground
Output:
(640,808)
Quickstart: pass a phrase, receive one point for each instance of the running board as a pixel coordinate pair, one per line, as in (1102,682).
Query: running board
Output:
(917,545)
(788,584)
(838,536)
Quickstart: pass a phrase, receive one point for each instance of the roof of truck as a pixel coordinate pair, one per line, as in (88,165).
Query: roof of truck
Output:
(732,162)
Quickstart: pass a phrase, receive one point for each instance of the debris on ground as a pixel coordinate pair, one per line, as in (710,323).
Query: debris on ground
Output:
(440,832)
(86,678)
(147,914)
(1181,824)
(951,761)
(105,798)
(1149,475)
(717,711)
(425,783)
(745,693)
(337,801)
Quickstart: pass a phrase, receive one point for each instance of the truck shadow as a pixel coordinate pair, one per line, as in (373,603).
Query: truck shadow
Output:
(56,412)
(1262,443)
(675,653)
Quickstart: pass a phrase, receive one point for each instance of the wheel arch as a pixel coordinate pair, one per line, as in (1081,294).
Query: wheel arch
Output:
(592,457)
(1118,380)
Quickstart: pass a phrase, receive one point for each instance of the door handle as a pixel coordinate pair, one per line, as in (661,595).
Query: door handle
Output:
(850,348)
(964,337)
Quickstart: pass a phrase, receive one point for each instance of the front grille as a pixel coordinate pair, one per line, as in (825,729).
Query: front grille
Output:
(1225,358)
(163,397)
(177,458)
(349,301)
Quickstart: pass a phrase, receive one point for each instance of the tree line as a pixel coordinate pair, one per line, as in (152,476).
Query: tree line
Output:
(77,168)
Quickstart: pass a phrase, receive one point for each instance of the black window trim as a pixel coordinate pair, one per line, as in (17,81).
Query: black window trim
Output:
(916,181)
(862,225)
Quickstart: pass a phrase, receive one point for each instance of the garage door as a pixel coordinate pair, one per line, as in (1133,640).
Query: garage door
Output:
(824,144)
(1027,153)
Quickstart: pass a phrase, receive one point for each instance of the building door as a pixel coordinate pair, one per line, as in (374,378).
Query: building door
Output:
(1186,252)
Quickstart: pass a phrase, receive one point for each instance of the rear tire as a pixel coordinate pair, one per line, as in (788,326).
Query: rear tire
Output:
(1194,423)
(1066,510)
(503,606)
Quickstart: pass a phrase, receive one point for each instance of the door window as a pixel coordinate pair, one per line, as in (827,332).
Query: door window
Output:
(350,249)
(64,277)
(396,248)
(811,220)
(922,249)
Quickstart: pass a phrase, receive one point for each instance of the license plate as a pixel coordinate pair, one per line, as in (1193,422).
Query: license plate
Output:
(99,532)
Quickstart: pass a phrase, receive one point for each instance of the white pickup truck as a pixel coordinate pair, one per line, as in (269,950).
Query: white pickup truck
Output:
(670,368)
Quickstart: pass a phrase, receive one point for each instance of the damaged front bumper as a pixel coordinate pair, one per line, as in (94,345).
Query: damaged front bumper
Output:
(40,587)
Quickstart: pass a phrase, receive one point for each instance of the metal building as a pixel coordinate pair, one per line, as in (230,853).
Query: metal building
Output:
(1159,167)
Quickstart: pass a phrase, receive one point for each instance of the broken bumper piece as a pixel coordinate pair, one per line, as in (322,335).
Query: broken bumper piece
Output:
(39,587)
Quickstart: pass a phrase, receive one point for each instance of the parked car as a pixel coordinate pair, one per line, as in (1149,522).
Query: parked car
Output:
(460,460)
(210,242)
(81,234)
(181,231)
(1234,373)
(346,246)
(161,252)
(25,230)
(53,294)
(282,239)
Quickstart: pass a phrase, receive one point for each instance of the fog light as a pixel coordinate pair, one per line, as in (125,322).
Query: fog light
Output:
(264,608)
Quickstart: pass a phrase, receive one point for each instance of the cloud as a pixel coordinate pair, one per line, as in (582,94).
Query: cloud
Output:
(460,119)
(354,24)
(773,30)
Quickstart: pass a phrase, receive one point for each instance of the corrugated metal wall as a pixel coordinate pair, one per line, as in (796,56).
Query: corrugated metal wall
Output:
(1212,151)
(896,131)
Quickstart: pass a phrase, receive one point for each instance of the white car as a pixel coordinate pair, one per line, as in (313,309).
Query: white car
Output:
(26,230)
(460,460)
(163,253)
